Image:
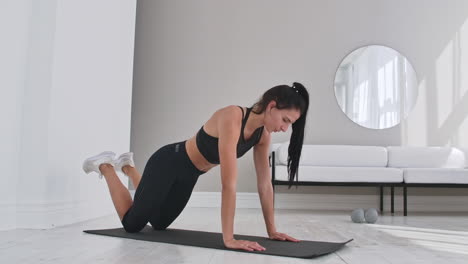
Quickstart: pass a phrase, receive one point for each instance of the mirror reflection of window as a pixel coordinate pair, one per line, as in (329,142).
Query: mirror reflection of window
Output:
(376,86)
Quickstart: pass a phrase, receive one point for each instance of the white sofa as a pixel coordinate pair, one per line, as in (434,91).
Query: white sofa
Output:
(393,166)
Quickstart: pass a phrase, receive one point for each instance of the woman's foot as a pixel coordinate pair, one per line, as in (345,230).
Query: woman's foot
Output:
(92,163)
(124,160)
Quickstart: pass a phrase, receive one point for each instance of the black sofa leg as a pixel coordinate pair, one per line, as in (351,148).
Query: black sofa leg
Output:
(392,193)
(405,201)
(381,199)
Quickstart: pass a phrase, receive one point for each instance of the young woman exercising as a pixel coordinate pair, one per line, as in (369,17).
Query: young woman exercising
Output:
(172,171)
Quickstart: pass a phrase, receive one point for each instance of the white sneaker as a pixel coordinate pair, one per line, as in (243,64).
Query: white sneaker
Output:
(92,164)
(124,160)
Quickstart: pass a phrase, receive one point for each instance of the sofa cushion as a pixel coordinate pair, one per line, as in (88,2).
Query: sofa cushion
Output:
(336,155)
(435,175)
(342,174)
(425,157)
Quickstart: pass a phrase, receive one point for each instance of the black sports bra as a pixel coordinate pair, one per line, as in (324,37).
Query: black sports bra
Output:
(208,145)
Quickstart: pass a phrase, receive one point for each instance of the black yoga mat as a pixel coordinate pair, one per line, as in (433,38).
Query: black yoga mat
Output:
(302,249)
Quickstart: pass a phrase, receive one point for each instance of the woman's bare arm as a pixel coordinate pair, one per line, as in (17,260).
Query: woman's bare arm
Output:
(264,187)
(229,132)
(229,126)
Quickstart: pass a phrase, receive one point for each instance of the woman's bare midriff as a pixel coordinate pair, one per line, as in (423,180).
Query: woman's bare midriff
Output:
(192,149)
(196,157)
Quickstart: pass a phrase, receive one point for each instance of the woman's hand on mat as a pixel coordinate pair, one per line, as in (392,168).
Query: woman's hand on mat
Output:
(281,236)
(243,244)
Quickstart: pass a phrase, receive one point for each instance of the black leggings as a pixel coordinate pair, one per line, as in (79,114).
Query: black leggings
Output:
(164,190)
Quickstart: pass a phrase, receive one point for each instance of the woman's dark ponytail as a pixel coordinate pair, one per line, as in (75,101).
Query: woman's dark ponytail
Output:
(289,97)
(297,137)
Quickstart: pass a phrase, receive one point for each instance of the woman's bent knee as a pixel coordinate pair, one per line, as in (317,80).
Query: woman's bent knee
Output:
(132,227)
(159,227)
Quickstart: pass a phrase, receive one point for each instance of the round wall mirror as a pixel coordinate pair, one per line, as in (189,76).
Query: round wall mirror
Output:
(376,86)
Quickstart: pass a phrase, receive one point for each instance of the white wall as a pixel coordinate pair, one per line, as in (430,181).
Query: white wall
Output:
(69,86)
(193,57)
(14,25)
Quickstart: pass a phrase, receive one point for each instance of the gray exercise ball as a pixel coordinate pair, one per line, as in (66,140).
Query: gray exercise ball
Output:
(371,215)
(357,216)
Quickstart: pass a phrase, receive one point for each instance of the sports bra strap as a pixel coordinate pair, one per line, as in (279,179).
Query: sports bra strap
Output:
(244,120)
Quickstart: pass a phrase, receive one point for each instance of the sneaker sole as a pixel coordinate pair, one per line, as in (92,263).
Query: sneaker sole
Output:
(125,156)
(88,163)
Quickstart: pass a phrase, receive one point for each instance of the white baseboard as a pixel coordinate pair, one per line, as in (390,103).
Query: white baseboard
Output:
(337,202)
(7,216)
(49,215)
